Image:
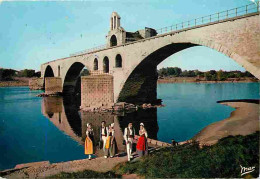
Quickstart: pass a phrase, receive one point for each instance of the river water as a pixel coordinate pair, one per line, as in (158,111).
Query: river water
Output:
(37,129)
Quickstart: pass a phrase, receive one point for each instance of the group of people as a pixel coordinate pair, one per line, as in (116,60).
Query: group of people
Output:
(107,140)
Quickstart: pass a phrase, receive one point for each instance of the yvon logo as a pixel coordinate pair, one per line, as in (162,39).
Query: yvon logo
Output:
(245,170)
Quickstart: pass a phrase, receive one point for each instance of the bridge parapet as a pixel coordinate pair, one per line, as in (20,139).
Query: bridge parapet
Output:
(194,23)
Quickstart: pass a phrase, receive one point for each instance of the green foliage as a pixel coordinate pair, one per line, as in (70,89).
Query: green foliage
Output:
(86,174)
(27,73)
(211,75)
(8,74)
(173,71)
(221,76)
(220,160)
(84,72)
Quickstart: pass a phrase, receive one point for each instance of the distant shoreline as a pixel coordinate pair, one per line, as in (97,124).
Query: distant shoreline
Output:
(196,80)
(18,81)
(22,81)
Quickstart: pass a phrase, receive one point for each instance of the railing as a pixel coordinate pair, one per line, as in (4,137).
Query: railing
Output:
(89,50)
(220,16)
(243,10)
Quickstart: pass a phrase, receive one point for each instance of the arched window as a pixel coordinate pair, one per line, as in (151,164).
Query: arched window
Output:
(113,41)
(59,70)
(106,65)
(118,61)
(95,64)
(114,22)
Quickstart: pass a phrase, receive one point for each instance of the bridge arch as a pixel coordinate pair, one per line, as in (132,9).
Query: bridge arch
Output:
(72,80)
(95,65)
(141,84)
(118,61)
(106,65)
(48,72)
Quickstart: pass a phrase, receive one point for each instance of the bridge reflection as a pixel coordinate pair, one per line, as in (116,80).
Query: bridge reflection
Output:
(64,113)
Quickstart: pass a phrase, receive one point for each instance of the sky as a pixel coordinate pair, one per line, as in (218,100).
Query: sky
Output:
(35,32)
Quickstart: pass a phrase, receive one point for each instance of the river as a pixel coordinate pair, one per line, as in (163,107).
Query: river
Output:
(37,129)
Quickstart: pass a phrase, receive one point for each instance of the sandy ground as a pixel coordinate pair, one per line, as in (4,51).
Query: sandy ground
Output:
(243,121)
(43,170)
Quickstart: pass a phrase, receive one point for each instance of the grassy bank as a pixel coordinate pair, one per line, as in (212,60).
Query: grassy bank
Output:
(220,160)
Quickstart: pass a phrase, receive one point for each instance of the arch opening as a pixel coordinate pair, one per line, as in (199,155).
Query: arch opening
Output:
(48,73)
(141,85)
(113,41)
(95,66)
(106,65)
(72,81)
(118,61)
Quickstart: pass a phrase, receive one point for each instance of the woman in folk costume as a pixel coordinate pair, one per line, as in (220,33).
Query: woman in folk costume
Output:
(110,148)
(142,146)
(89,142)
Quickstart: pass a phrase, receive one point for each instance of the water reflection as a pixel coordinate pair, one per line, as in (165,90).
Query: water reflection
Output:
(64,113)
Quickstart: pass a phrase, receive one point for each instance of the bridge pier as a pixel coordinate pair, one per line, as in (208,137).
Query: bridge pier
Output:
(53,85)
(97,91)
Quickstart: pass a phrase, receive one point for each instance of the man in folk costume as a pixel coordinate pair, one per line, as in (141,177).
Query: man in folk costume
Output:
(103,134)
(142,146)
(129,134)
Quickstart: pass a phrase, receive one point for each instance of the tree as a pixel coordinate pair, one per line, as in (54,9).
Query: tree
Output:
(207,76)
(221,76)
(27,73)
(8,74)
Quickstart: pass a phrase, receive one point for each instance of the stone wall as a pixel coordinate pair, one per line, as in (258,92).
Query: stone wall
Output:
(36,84)
(53,85)
(97,90)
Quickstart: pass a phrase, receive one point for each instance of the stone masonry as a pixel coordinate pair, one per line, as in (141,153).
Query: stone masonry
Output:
(53,85)
(97,90)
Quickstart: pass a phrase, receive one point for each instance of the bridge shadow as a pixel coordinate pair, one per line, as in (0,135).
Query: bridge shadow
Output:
(64,113)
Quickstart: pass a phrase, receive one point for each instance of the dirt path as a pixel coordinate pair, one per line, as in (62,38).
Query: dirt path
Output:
(243,121)
(39,171)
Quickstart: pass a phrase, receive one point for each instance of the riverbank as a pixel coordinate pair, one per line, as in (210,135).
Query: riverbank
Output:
(221,160)
(45,169)
(243,121)
(17,81)
(202,80)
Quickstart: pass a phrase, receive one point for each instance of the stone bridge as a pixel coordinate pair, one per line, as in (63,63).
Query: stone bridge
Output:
(126,68)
